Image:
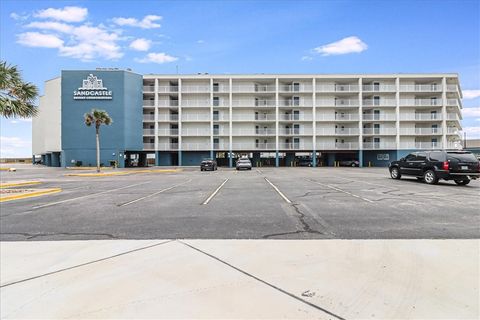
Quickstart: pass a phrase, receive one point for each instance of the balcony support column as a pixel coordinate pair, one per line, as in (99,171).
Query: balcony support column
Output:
(314,158)
(230,125)
(156,114)
(360,122)
(277,160)
(360,158)
(314,122)
(276,123)
(180,96)
(211,118)
(444,113)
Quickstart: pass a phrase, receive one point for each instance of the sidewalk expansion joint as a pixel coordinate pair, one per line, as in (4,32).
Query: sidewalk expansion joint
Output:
(291,295)
(85,264)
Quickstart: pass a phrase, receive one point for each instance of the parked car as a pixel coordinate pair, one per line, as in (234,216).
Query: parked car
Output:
(349,163)
(244,163)
(208,164)
(305,162)
(430,166)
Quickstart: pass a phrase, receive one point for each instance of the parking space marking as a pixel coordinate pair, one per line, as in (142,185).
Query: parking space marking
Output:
(341,190)
(215,192)
(153,194)
(278,191)
(88,195)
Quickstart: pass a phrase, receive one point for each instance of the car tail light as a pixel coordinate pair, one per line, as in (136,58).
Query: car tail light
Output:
(446,165)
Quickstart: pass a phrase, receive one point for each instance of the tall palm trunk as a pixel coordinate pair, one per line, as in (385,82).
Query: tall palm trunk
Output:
(97,131)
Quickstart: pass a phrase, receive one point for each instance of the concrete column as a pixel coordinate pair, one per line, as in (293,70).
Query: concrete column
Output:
(277,162)
(360,122)
(397,112)
(444,113)
(211,117)
(156,114)
(314,123)
(157,158)
(230,126)
(180,122)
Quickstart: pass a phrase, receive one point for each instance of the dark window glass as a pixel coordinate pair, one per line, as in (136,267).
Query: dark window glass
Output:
(462,157)
(421,156)
(437,156)
(410,157)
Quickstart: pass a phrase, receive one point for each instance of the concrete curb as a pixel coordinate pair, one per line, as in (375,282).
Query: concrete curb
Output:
(121,173)
(18,184)
(29,195)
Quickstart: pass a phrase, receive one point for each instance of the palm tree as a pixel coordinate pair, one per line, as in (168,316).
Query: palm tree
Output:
(16,97)
(97,117)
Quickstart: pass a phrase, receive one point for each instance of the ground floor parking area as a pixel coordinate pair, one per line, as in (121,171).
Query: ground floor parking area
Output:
(264,203)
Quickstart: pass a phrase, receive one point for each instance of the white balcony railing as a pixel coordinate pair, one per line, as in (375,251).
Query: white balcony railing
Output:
(221,146)
(295,117)
(195,117)
(148,132)
(296,88)
(453,103)
(253,88)
(148,146)
(167,89)
(196,146)
(295,146)
(296,103)
(337,117)
(421,88)
(167,146)
(254,146)
(346,131)
(195,89)
(337,146)
(168,103)
(196,132)
(295,131)
(379,145)
(253,132)
(421,102)
(379,102)
(196,103)
(167,132)
(421,131)
(220,132)
(452,88)
(253,117)
(148,103)
(168,117)
(148,88)
(253,103)
(453,130)
(453,116)
(379,117)
(337,102)
(148,117)
(420,116)
(379,88)
(379,131)
(337,88)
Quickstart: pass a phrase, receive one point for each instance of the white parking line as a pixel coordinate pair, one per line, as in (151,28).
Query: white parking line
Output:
(154,194)
(340,190)
(279,192)
(215,192)
(87,196)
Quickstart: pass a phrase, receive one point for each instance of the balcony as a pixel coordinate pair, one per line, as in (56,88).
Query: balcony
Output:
(221,146)
(296,103)
(168,117)
(148,89)
(337,88)
(453,116)
(148,103)
(379,145)
(168,103)
(337,146)
(221,88)
(421,88)
(254,117)
(196,103)
(148,132)
(421,131)
(196,146)
(196,89)
(452,88)
(148,146)
(253,103)
(220,132)
(254,132)
(167,132)
(295,131)
(254,88)
(379,88)
(379,131)
(337,117)
(325,132)
(196,132)
(453,103)
(148,117)
(295,117)
(295,146)
(379,117)
(420,116)
(167,89)
(167,146)
(296,88)
(453,130)
(337,103)
(420,102)
(346,131)
(222,117)
(379,102)
(253,146)
(421,145)
(196,117)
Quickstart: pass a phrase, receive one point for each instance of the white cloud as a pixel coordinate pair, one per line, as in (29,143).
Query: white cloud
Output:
(306,58)
(200,41)
(472,132)
(344,46)
(148,22)
(36,39)
(471,94)
(160,57)
(68,14)
(11,147)
(16,16)
(471,112)
(141,44)
(51,25)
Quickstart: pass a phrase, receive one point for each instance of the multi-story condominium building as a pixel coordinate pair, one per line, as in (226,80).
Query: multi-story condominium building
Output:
(273,119)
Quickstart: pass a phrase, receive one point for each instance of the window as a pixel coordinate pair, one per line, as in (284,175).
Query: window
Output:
(376,86)
(216,87)
(433,115)
(433,101)
(216,101)
(296,115)
(216,129)
(437,156)
(216,115)
(421,156)
(376,114)
(376,101)
(296,86)
(296,101)
(411,157)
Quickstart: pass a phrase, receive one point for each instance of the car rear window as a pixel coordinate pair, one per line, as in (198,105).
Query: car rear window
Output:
(461,156)
(437,156)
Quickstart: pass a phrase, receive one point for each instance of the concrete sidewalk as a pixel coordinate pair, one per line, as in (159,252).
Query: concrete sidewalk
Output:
(294,279)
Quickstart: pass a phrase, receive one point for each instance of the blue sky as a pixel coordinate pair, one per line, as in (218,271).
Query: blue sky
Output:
(44,37)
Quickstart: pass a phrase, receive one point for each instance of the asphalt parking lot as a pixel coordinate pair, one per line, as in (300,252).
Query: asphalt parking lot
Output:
(265,203)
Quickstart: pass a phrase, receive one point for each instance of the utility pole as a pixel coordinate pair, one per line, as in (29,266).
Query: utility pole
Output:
(464,140)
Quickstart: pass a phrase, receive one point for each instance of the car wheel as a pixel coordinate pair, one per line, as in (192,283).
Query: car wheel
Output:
(395,173)
(462,182)
(201,169)
(353,164)
(430,177)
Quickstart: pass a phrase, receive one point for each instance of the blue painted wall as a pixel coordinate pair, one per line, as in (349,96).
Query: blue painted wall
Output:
(194,158)
(125,108)
(371,156)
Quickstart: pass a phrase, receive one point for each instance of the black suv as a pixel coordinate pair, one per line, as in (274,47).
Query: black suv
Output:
(208,164)
(430,166)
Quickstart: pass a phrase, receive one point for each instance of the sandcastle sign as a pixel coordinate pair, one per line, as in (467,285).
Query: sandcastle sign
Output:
(92,89)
